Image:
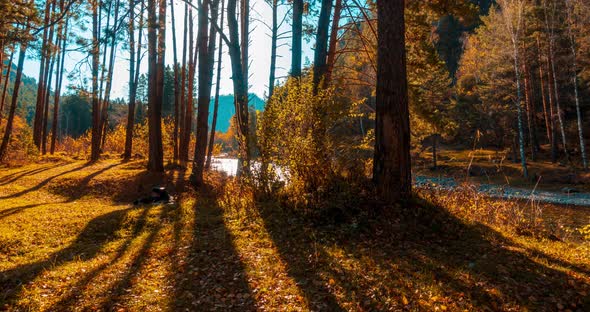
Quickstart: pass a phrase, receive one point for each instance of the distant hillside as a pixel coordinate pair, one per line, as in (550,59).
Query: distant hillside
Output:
(227,110)
(27,94)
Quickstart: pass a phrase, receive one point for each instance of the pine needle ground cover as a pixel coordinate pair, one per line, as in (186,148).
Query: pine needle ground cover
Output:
(70,240)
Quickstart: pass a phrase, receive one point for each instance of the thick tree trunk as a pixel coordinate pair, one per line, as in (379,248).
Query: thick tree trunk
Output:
(10,121)
(217,88)
(297,38)
(391,164)
(240,91)
(155,155)
(333,42)
(321,45)
(95,144)
(207,60)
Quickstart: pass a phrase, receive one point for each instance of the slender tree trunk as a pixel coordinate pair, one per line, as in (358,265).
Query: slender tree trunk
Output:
(530,106)
(176,84)
(45,124)
(297,38)
(551,30)
(321,45)
(107,93)
(217,88)
(183,91)
(95,144)
(245,38)
(576,93)
(548,127)
(38,120)
(17,81)
(554,151)
(521,143)
(132,85)
(333,42)
(391,164)
(58,84)
(5,87)
(273,49)
(188,115)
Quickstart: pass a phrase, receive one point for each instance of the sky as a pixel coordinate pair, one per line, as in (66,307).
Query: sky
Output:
(259,54)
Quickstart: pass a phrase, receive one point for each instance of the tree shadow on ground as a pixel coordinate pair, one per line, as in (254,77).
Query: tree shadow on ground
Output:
(416,248)
(10,178)
(211,275)
(87,245)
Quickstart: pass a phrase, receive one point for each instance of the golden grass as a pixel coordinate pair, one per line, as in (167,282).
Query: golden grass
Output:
(69,240)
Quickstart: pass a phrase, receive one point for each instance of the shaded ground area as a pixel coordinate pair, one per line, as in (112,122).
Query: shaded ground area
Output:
(69,240)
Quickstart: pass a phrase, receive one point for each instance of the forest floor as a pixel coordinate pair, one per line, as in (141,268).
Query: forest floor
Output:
(70,240)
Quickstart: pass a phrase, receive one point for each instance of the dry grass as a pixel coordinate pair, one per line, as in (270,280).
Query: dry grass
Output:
(69,240)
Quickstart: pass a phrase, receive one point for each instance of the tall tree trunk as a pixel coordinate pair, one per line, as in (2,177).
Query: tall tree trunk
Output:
(38,120)
(217,88)
(132,85)
(550,29)
(273,48)
(10,121)
(5,86)
(107,93)
(245,38)
(183,91)
(530,106)
(188,115)
(95,144)
(297,38)
(576,93)
(156,49)
(45,123)
(240,85)
(321,45)
(58,84)
(548,126)
(207,60)
(176,84)
(333,42)
(391,164)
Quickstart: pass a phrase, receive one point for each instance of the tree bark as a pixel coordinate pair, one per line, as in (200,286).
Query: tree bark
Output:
(17,81)
(297,38)
(548,125)
(5,87)
(132,85)
(95,144)
(333,42)
(188,115)
(217,88)
(391,164)
(176,84)
(273,48)
(240,90)
(58,84)
(38,120)
(155,75)
(321,45)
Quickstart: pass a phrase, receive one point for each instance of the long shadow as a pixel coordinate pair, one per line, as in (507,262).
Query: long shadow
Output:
(42,183)
(14,210)
(214,277)
(422,238)
(87,245)
(18,175)
(74,292)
